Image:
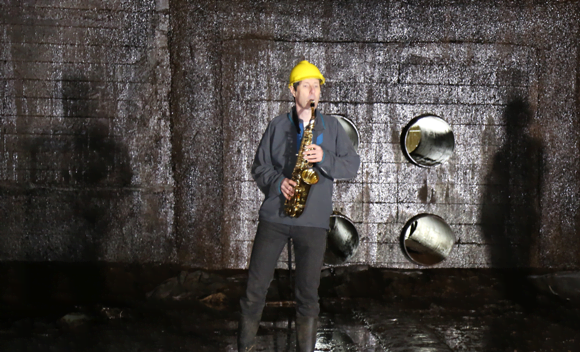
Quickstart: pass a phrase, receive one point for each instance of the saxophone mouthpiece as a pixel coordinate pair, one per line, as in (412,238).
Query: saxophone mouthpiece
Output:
(312,103)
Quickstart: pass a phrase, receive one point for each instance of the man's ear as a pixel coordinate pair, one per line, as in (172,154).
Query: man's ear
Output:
(293,91)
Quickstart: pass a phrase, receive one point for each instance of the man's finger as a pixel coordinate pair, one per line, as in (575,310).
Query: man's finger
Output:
(287,195)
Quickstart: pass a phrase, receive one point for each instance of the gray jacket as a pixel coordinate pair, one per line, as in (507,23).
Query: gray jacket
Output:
(275,160)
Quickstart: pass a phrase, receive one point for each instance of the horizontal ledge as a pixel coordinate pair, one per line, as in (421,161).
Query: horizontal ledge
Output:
(369,103)
(403,43)
(88,188)
(152,11)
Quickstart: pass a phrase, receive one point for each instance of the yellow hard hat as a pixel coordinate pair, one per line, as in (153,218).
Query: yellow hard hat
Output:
(304,70)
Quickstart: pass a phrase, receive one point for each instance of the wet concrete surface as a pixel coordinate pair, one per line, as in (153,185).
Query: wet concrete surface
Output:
(385,310)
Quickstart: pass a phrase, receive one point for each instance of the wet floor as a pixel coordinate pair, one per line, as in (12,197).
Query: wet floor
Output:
(410,313)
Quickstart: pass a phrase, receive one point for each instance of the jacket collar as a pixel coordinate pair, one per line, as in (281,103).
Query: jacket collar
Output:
(319,124)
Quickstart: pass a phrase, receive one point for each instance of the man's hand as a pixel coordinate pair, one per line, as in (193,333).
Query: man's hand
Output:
(313,153)
(287,188)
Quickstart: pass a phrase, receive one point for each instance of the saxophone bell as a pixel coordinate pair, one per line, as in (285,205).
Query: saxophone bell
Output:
(310,176)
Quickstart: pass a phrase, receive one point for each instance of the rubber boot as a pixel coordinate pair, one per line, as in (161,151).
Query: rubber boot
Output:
(247,329)
(306,333)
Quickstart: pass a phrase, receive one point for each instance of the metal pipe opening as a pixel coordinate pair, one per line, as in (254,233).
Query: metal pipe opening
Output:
(427,239)
(342,240)
(350,129)
(427,141)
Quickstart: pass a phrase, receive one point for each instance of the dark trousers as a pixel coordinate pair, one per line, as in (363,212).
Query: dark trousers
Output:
(309,247)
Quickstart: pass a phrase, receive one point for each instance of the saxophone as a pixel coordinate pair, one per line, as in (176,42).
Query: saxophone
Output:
(303,174)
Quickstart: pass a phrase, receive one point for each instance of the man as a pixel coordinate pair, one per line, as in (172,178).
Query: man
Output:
(333,157)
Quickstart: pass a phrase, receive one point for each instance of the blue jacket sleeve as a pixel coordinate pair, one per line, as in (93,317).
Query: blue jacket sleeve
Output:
(267,177)
(345,163)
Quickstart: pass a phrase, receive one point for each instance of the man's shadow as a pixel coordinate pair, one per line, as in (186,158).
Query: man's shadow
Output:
(511,212)
(85,198)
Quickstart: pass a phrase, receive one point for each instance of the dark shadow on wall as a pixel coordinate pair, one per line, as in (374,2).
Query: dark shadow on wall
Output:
(511,207)
(511,212)
(72,201)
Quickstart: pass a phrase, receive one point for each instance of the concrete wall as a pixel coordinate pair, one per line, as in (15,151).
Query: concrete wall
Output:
(85,141)
(177,186)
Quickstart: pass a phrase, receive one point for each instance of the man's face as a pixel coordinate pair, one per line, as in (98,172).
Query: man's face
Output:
(307,90)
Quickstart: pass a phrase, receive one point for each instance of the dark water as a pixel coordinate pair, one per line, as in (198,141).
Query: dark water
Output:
(362,310)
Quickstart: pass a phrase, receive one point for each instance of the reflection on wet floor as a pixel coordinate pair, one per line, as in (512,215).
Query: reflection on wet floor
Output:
(421,320)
